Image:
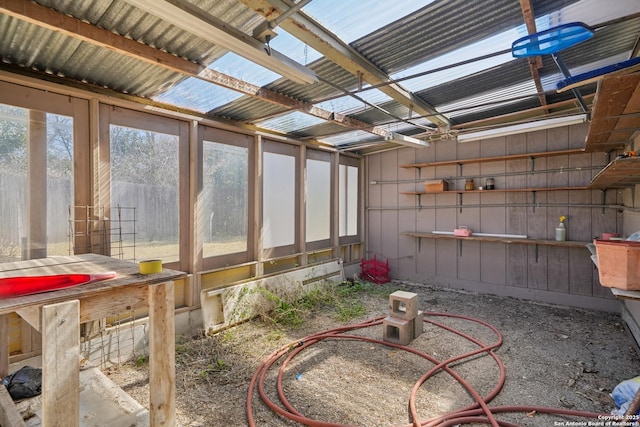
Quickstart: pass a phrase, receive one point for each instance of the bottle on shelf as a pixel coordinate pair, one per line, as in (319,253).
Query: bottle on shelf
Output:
(561,231)
(469,185)
(490,184)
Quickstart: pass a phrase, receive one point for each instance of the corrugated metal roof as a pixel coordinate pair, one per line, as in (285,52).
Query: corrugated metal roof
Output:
(443,26)
(429,35)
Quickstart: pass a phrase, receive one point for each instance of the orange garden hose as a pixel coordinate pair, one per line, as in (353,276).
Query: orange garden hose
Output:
(478,412)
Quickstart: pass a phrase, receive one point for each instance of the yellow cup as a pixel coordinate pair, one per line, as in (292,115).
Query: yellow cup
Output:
(150,266)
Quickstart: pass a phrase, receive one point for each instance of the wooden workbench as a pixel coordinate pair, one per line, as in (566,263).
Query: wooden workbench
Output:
(58,315)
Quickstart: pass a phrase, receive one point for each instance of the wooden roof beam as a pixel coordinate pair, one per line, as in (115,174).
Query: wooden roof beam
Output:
(535,63)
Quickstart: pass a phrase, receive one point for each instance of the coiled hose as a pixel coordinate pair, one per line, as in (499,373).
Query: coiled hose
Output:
(478,412)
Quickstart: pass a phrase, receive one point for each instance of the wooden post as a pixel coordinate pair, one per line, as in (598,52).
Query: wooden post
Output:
(37,176)
(162,356)
(4,349)
(9,415)
(61,364)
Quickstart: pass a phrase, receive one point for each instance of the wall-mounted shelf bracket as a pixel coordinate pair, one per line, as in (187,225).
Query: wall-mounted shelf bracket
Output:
(603,199)
(532,164)
(533,193)
(460,202)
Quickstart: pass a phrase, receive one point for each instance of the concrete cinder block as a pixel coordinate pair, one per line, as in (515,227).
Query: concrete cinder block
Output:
(403,305)
(418,324)
(397,331)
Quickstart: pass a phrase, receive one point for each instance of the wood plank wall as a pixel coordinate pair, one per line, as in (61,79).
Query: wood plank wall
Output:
(544,273)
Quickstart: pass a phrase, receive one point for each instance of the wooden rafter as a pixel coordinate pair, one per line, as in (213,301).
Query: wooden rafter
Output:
(535,63)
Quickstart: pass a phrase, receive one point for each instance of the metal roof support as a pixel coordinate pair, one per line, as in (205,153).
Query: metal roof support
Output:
(198,22)
(315,35)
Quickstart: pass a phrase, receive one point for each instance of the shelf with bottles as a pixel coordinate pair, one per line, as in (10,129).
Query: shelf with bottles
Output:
(497,190)
(509,240)
(460,193)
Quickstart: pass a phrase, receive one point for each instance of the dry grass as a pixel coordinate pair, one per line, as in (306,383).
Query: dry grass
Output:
(554,356)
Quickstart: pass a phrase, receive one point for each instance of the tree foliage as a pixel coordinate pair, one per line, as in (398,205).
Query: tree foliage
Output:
(13,142)
(144,157)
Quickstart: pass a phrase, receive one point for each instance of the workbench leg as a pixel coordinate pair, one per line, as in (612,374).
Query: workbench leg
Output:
(162,356)
(4,348)
(61,364)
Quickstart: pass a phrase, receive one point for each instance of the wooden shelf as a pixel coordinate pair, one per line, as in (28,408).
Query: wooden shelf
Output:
(497,190)
(496,159)
(615,113)
(565,243)
(619,173)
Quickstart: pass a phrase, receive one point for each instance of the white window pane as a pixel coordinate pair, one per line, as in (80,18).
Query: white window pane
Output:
(342,208)
(352,201)
(348,197)
(278,212)
(318,200)
(224,199)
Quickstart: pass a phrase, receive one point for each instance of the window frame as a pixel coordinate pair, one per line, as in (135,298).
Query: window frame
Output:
(277,147)
(221,136)
(329,158)
(124,117)
(351,162)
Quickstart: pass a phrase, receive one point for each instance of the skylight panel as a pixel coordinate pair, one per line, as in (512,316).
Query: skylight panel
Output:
(350,105)
(198,95)
(591,12)
(288,123)
(588,11)
(348,138)
(496,43)
(502,97)
(243,69)
(351,20)
(295,49)
(550,82)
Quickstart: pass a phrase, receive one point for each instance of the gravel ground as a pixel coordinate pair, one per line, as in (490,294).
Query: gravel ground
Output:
(554,356)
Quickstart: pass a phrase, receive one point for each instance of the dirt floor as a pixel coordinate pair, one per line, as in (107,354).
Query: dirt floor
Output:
(554,356)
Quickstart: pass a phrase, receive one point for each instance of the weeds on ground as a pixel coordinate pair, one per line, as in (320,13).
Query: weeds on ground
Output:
(344,298)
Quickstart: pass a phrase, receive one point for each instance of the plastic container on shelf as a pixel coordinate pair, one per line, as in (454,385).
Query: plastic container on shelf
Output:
(619,263)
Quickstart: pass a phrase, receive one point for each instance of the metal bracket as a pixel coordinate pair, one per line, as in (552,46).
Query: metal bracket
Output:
(534,201)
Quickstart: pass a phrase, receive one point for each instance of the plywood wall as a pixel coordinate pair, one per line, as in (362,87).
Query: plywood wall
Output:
(539,272)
